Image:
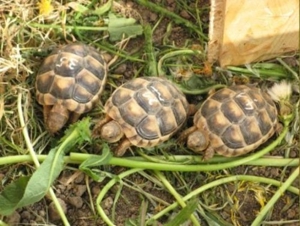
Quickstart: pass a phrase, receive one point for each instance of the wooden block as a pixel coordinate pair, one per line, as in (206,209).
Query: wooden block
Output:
(247,31)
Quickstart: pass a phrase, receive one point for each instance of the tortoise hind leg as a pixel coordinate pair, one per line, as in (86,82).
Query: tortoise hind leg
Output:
(56,118)
(46,112)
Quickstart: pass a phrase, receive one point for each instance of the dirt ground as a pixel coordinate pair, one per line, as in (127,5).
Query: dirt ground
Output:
(141,195)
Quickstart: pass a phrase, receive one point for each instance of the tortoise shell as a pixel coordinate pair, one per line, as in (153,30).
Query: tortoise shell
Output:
(72,77)
(237,119)
(148,109)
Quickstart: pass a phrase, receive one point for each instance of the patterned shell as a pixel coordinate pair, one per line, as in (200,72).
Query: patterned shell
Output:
(237,119)
(74,76)
(149,110)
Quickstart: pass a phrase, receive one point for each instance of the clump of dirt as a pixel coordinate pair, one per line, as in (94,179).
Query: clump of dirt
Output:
(134,199)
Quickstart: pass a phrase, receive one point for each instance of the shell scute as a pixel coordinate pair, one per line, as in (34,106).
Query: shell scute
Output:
(209,108)
(121,96)
(45,82)
(147,101)
(68,65)
(264,122)
(180,110)
(161,92)
(233,141)
(259,100)
(81,95)
(88,81)
(250,130)
(223,95)
(217,123)
(233,112)
(62,88)
(94,66)
(146,129)
(132,113)
(74,48)
(136,84)
(166,119)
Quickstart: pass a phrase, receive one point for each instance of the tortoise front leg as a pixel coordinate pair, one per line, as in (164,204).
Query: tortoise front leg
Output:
(74,117)
(97,128)
(122,147)
(184,134)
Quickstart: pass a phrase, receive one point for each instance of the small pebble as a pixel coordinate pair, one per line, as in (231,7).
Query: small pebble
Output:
(80,178)
(291,213)
(184,14)
(107,203)
(79,190)
(25,215)
(53,212)
(13,219)
(120,69)
(95,190)
(76,201)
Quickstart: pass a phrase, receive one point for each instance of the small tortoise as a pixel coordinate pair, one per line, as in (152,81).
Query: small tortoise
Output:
(69,83)
(232,121)
(144,112)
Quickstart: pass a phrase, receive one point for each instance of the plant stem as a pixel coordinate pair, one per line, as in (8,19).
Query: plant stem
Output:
(25,131)
(263,73)
(72,27)
(34,158)
(177,19)
(151,60)
(3,224)
(175,194)
(185,160)
(275,197)
(172,54)
(288,68)
(184,168)
(200,91)
(105,189)
(219,182)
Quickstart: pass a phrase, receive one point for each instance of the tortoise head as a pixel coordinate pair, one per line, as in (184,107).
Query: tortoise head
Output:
(197,141)
(111,132)
(56,118)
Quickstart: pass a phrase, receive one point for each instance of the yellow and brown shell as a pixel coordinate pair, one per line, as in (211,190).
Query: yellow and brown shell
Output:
(237,119)
(148,109)
(73,76)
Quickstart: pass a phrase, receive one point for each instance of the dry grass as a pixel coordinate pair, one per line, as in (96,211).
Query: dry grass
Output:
(29,31)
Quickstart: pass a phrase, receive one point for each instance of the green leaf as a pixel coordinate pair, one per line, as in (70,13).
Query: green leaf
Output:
(117,27)
(96,161)
(43,178)
(78,132)
(20,194)
(28,190)
(11,195)
(77,7)
(103,9)
(150,53)
(184,214)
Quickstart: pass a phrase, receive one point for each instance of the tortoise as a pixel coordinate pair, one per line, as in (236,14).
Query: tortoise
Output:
(69,83)
(232,121)
(142,112)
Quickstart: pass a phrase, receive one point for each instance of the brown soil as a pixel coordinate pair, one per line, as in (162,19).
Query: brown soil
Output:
(235,203)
